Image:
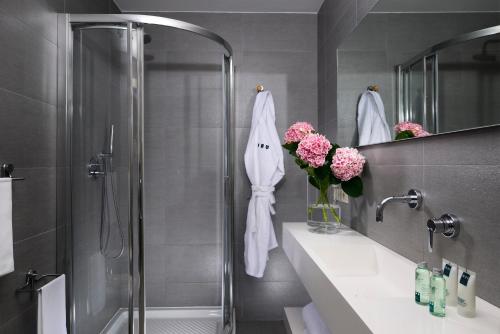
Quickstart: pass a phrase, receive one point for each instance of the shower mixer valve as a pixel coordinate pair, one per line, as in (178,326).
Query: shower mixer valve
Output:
(447,225)
(95,167)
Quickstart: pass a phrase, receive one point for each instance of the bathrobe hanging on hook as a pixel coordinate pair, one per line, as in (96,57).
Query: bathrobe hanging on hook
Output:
(264,166)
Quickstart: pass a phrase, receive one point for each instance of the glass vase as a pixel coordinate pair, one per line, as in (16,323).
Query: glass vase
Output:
(323,213)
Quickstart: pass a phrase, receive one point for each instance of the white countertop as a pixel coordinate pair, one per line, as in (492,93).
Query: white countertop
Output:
(361,286)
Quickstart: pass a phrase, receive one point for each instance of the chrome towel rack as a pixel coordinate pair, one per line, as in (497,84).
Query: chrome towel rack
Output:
(6,171)
(32,277)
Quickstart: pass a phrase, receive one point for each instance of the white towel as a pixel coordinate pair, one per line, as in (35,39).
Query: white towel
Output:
(6,241)
(52,307)
(372,124)
(312,320)
(265,168)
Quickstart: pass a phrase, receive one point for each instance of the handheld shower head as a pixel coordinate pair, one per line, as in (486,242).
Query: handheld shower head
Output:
(109,149)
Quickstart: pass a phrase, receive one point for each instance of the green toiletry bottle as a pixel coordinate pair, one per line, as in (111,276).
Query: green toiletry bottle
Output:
(437,302)
(422,284)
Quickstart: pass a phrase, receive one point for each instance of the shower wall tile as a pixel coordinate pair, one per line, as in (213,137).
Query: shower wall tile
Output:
(200,231)
(183,263)
(192,294)
(458,173)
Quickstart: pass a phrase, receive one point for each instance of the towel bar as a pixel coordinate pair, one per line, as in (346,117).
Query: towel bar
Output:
(32,276)
(6,171)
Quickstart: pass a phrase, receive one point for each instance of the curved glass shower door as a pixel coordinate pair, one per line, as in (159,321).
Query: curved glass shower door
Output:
(149,136)
(101,173)
(183,179)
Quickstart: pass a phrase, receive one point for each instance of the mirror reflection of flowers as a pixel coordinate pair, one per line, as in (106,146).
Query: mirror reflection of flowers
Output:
(325,163)
(406,130)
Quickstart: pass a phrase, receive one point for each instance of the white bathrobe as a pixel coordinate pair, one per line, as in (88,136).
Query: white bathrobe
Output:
(372,125)
(264,166)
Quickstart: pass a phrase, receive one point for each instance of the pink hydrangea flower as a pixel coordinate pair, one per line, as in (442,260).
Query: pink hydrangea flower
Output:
(416,129)
(347,163)
(313,149)
(297,132)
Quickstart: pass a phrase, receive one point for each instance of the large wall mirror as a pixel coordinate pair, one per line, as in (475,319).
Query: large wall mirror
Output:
(427,66)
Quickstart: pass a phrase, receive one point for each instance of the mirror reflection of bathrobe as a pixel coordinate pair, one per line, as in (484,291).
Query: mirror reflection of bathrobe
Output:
(372,124)
(264,166)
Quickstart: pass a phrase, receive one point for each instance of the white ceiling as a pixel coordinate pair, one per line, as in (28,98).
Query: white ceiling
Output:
(225,6)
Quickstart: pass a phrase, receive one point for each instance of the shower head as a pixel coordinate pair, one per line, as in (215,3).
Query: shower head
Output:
(147,38)
(484,56)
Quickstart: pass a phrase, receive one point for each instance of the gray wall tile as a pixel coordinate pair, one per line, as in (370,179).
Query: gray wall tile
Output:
(192,294)
(479,147)
(20,71)
(471,197)
(34,202)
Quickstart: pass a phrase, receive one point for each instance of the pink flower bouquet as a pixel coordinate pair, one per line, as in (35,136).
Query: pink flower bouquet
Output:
(406,130)
(324,162)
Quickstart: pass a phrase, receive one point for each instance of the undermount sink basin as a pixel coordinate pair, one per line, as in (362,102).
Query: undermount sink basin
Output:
(360,286)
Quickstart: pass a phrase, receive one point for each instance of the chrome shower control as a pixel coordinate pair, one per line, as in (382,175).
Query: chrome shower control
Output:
(448,225)
(95,168)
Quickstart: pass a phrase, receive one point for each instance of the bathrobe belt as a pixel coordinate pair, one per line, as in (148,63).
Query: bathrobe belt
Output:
(265,193)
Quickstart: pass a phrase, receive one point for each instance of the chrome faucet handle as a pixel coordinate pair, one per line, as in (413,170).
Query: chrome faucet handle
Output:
(416,199)
(448,225)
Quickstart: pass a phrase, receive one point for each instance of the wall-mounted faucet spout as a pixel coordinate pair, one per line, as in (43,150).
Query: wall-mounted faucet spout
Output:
(413,199)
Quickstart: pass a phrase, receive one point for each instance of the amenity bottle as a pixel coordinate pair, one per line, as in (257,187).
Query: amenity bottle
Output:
(437,302)
(450,274)
(466,293)
(422,284)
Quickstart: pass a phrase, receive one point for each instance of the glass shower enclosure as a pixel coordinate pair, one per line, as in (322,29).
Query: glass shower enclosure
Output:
(147,175)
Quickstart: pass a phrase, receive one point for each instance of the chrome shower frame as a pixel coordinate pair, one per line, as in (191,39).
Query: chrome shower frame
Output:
(134,23)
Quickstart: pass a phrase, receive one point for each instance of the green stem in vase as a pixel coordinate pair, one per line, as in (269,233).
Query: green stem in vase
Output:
(323,199)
